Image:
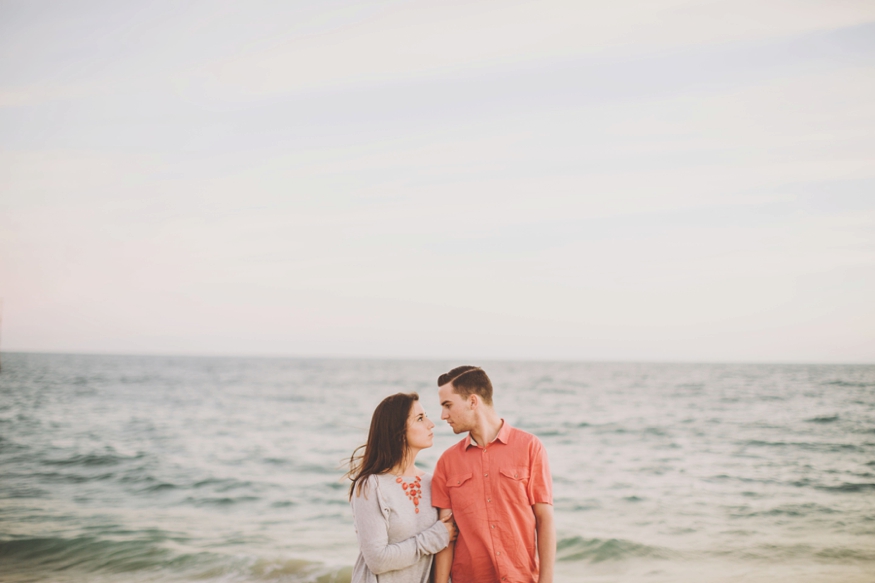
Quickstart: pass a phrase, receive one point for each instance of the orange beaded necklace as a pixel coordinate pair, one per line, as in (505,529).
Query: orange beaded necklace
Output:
(413,490)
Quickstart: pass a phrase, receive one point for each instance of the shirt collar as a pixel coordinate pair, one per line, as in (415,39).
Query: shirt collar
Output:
(503,435)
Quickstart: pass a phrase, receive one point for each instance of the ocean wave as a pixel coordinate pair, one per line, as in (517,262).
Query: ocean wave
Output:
(81,558)
(158,486)
(72,478)
(266,569)
(772,552)
(8,446)
(769,552)
(845,554)
(848,487)
(302,467)
(841,383)
(548,432)
(656,431)
(86,553)
(277,461)
(576,424)
(823,419)
(742,479)
(220,500)
(223,484)
(792,510)
(24,491)
(310,468)
(92,459)
(575,505)
(556,391)
(812,446)
(596,550)
(149,484)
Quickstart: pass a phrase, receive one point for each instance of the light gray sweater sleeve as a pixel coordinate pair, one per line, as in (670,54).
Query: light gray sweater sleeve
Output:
(372,530)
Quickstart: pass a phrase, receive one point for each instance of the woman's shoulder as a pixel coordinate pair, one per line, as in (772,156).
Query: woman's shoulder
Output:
(369,484)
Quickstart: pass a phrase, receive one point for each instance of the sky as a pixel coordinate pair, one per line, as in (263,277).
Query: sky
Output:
(656,180)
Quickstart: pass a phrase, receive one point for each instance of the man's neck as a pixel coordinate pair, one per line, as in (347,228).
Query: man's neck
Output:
(487,429)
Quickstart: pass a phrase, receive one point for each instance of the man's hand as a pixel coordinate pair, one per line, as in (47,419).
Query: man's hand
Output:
(546,529)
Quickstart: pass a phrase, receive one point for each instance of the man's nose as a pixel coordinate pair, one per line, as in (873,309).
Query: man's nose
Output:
(444,415)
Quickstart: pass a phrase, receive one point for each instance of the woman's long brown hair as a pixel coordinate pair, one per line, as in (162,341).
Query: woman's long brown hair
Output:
(387,440)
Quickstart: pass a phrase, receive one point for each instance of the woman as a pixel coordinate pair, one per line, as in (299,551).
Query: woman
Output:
(397,528)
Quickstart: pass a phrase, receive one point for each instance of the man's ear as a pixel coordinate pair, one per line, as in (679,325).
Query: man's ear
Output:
(475,400)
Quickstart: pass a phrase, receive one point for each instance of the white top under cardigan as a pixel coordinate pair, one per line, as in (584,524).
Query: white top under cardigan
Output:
(396,543)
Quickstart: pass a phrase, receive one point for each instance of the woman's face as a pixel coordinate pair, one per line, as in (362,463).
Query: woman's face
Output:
(420,434)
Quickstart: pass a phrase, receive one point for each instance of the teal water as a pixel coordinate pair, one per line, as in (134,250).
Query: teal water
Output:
(124,468)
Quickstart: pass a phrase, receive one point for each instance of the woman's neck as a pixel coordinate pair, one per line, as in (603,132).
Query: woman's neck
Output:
(407,466)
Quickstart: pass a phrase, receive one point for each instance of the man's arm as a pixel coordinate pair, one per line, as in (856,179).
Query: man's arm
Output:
(546,529)
(443,560)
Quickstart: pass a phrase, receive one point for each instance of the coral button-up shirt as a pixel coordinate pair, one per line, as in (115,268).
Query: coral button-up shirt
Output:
(491,491)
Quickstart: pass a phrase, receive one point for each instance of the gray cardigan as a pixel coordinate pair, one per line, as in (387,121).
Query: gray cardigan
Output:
(396,543)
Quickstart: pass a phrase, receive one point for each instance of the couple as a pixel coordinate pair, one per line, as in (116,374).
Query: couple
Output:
(485,516)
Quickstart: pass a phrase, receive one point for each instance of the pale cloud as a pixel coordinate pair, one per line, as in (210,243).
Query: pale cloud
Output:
(386,42)
(630,180)
(439,38)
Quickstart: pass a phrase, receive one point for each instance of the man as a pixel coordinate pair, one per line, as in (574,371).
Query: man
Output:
(496,484)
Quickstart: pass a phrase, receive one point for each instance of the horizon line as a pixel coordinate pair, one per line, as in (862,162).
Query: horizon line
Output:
(278,356)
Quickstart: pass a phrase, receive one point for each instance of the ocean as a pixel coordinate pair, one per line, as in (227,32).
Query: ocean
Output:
(149,468)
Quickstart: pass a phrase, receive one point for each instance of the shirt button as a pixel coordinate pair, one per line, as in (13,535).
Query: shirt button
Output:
(489,499)
(486,475)
(493,526)
(499,553)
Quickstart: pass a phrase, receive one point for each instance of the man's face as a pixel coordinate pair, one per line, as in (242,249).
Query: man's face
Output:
(455,410)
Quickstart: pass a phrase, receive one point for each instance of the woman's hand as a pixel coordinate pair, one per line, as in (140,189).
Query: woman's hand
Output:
(451,526)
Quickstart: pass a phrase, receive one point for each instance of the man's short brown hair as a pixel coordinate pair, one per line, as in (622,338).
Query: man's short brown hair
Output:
(467,381)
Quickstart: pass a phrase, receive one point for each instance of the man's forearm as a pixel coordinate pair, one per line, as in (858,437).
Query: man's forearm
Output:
(443,560)
(443,563)
(546,529)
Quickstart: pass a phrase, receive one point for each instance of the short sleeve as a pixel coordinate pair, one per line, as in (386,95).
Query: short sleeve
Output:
(439,496)
(540,488)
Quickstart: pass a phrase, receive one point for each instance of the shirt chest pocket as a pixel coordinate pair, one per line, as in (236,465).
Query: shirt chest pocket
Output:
(462,494)
(514,482)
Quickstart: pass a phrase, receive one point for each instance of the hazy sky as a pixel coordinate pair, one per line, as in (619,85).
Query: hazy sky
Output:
(625,180)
